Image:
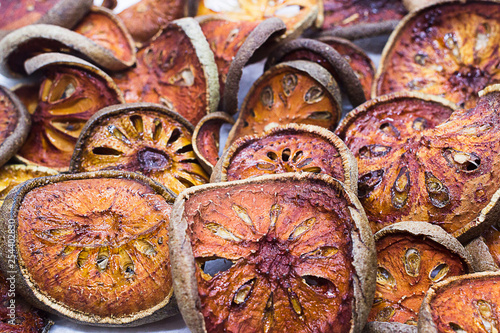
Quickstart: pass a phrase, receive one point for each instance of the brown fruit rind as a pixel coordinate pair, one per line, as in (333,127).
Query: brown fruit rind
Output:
(383,327)
(481,255)
(325,149)
(25,283)
(184,267)
(364,30)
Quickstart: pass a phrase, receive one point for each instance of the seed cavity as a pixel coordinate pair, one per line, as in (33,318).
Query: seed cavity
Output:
(267,97)
(385,278)
(268,318)
(368,182)
(385,314)
(487,316)
(274,213)
(106,151)
(243,292)
(462,161)
(126,264)
(297,156)
(285,154)
(64,88)
(302,228)
(272,156)
(482,37)
(439,272)
(320,285)
(294,301)
(232,35)
(289,82)
(412,262)
(114,131)
(222,232)
(400,189)
(314,95)
(185,78)
(313,169)
(450,41)
(102,258)
(157,129)
(321,252)
(304,163)
(320,115)
(174,136)
(437,191)
(137,123)
(144,247)
(83,257)
(373,151)
(264,166)
(243,215)
(419,124)
(421,58)
(457,328)
(390,129)
(67,250)
(214,265)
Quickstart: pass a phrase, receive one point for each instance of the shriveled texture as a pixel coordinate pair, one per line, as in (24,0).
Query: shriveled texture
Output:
(343,13)
(13,175)
(407,266)
(449,50)
(106,237)
(290,246)
(9,116)
(67,98)
(152,143)
(491,238)
(17,14)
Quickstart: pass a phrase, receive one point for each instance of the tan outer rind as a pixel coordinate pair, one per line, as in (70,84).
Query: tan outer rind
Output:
(315,71)
(207,59)
(425,322)
(385,327)
(350,44)
(349,81)
(16,139)
(70,39)
(364,30)
(349,162)
(26,286)
(263,37)
(183,264)
(221,116)
(413,5)
(481,255)
(114,110)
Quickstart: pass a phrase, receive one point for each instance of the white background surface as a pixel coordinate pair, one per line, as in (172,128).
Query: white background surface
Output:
(176,324)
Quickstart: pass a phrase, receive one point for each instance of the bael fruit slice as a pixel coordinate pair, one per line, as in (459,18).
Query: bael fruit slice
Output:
(14,126)
(485,250)
(291,92)
(176,69)
(206,138)
(289,148)
(70,92)
(142,137)
(411,257)
(467,303)
(449,49)
(92,247)
(300,252)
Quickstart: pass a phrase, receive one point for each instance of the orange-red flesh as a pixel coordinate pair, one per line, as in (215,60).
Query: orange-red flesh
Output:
(20,13)
(208,139)
(9,116)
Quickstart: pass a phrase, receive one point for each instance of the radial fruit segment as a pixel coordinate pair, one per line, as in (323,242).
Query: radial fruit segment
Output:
(15,174)
(449,49)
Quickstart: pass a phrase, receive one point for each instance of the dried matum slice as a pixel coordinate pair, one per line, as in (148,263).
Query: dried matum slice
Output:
(485,250)
(418,163)
(291,92)
(140,137)
(411,257)
(448,49)
(206,138)
(467,303)
(176,69)
(70,92)
(289,148)
(298,253)
(92,247)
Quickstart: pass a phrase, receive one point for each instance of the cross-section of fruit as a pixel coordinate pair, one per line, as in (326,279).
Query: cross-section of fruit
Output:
(467,303)
(141,137)
(411,257)
(289,148)
(300,252)
(418,163)
(70,92)
(176,69)
(291,92)
(449,49)
(92,247)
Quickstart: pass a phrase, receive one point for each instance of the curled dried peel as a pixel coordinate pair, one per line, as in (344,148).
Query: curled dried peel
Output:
(447,49)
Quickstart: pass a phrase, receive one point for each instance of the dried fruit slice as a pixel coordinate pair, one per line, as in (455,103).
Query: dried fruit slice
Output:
(142,137)
(385,327)
(411,257)
(289,148)
(415,164)
(176,69)
(467,303)
(91,234)
(326,56)
(206,138)
(70,92)
(145,18)
(298,15)
(300,250)
(449,49)
(291,92)
(485,250)
(14,126)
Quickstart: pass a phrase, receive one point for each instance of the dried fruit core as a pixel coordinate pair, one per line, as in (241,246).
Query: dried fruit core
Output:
(152,160)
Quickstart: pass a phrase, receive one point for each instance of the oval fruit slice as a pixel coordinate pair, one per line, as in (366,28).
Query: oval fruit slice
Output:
(70,92)
(411,257)
(291,92)
(144,138)
(467,303)
(449,49)
(93,247)
(299,251)
(289,148)
(176,69)
(206,138)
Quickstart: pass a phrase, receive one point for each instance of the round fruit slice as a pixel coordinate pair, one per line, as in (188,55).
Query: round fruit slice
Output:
(291,92)
(14,126)
(206,138)
(289,148)
(298,251)
(411,257)
(70,92)
(323,54)
(176,69)
(142,137)
(92,247)
(467,303)
(449,49)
